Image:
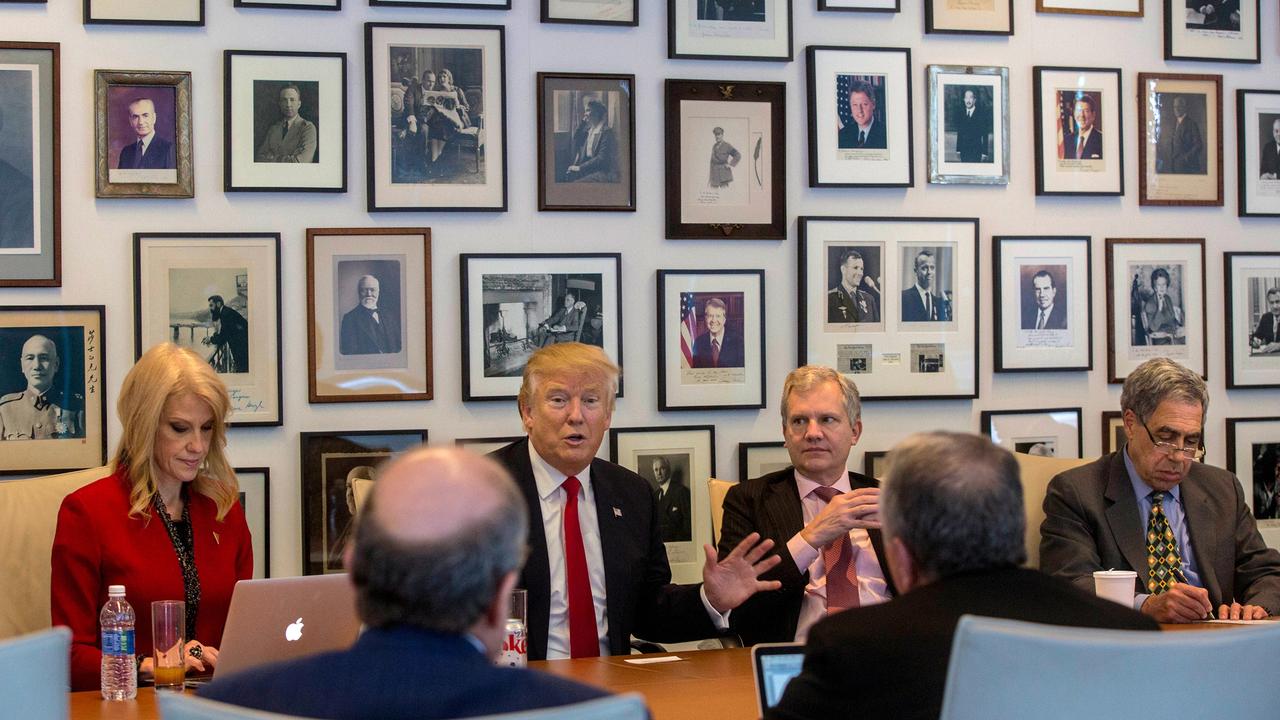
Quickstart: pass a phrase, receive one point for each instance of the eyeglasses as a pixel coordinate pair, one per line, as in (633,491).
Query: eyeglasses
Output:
(1170,450)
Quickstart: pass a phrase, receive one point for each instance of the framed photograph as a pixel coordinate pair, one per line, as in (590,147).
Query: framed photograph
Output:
(1253,452)
(486,445)
(468,4)
(761,458)
(1252,286)
(726,160)
(677,461)
(369,314)
(1114,435)
(1258,145)
(1155,304)
(284,121)
(1079,131)
(30,162)
(142,128)
(513,304)
(53,403)
(332,465)
(217,294)
(875,462)
(891,302)
(255,498)
(729,29)
(144,12)
(586,142)
(1116,8)
(1217,30)
(436,117)
(592,12)
(891,6)
(968,125)
(964,17)
(1179,139)
(859,117)
(1043,302)
(291,4)
(711,339)
(1056,432)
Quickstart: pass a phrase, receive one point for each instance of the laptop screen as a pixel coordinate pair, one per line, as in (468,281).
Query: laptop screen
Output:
(775,665)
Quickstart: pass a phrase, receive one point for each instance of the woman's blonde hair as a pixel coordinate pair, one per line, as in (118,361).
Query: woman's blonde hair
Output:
(167,371)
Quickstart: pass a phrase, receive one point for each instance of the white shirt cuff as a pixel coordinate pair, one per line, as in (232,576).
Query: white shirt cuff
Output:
(802,552)
(719,619)
(1138,600)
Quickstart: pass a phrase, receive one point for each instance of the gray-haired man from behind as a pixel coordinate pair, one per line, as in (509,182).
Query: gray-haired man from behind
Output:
(437,551)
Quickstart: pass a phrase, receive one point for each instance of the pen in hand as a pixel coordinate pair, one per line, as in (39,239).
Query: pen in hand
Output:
(1182,578)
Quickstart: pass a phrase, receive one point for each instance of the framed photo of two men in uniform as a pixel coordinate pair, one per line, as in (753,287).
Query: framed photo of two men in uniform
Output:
(284,121)
(30,162)
(217,295)
(892,303)
(711,339)
(1155,304)
(1079,143)
(1253,454)
(142,131)
(729,29)
(1179,139)
(1252,285)
(1258,152)
(1217,30)
(1043,303)
(144,12)
(586,142)
(968,125)
(52,389)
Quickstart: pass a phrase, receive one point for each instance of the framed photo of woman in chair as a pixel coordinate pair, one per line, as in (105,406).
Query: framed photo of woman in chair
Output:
(1155,304)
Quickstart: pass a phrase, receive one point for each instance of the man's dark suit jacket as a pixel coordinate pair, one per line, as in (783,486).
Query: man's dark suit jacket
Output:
(1092,523)
(875,139)
(1057,319)
(674,513)
(1269,159)
(913,309)
(1266,329)
(770,505)
(640,598)
(731,354)
(972,134)
(1183,151)
(234,333)
(1092,149)
(360,335)
(890,660)
(397,673)
(159,156)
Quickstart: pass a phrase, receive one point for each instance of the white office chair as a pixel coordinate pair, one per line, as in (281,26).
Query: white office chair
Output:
(615,707)
(35,674)
(1011,669)
(176,706)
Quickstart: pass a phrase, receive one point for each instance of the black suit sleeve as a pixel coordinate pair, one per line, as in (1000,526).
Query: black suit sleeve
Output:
(1068,548)
(664,612)
(811,694)
(768,616)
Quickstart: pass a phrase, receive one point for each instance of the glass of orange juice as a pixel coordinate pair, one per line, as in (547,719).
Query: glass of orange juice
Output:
(168,636)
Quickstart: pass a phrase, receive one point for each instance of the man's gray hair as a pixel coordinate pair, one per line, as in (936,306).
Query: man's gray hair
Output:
(443,585)
(955,501)
(1160,379)
(808,377)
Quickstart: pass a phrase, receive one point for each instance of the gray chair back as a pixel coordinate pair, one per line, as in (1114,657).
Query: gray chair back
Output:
(615,707)
(35,675)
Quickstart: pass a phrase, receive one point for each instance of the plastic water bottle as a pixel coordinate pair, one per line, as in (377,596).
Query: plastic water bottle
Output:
(119,674)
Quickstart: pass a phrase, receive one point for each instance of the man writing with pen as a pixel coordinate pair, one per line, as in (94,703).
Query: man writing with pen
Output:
(1153,507)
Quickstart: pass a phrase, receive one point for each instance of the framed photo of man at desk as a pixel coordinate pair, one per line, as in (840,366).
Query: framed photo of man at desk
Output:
(1253,454)
(142,128)
(1252,286)
(1217,30)
(729,29)
(586,142)
(144,12)
(1179,139)
(1155,304)
(1079,143)
(859,116)
(30,162)
(1043,303)
(1258,148)
(968,125)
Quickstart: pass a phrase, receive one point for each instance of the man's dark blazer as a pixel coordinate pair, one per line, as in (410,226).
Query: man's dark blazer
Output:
(674,513)
(913,309)
(396,673)
(1057,319)
(640,598)
(1092,523)
(234,333)
(1092,149)
(159,156)
(731,354)
(890,660)
(1266,329)
(1183,152)
(1269,159)
(972,134)
(875,139)
(360,335)
(770,505)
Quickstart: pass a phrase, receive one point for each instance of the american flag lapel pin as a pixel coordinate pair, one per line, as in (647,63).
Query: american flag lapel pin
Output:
(617,512)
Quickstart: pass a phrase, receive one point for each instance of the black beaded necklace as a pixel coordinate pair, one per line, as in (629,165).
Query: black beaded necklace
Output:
(184,545)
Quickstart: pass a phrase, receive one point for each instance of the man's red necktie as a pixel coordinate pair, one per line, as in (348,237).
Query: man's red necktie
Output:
(838,557)
(583,640)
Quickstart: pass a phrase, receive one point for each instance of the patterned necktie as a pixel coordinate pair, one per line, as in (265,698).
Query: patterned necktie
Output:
(1163,559)
(715,353)
(838,557)
(583,638)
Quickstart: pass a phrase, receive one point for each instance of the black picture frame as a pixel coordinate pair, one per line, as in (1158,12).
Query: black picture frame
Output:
(1253,350)
(616,94)
(871,459)
(1253,144)
(40,264)
(546,16)
(937,20)
(89,18)
(1047,419)
(747,466)
(1253,446)
(1112,423)
(456,4)
(1053,174)
(827,6)
(259,521)
(1037,347)
(728,45)
(1213,43)
(332,5)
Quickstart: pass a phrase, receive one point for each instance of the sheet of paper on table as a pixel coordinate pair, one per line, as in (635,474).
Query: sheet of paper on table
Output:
(650,661)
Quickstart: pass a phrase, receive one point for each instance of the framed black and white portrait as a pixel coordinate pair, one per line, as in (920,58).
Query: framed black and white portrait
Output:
(142,126)
(334,5)
(30,166)
(729,29)
(284,121)
(435,99)
(144,12)
(711,339)
(1056,432)
(591,12)
(891,303)
(586,142)
(53,404)
(1253,454)
(726,160)
(337,467)
(1155,304)
(1079,131)
(859,116)
(513,304)
(1179,139)
(1258,148)
(677,461)
(968,125)
(1252,285)
(1217,30)
(217,295)
(1043,303)
(255,499)
(1114,436)
(369,320)
(761,458)
(969,17)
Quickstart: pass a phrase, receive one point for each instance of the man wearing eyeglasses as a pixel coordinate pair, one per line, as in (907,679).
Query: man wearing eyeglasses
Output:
(1154,508)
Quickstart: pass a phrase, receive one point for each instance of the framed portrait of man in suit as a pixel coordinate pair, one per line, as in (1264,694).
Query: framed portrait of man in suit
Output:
(1252,284)
(1044,307)
(1179,139)
(144,12)
(968,125)
(1253,454)
(142,126)
(1258,153)
(1218,30)
(30,217)
(1079,145)
(1155,304)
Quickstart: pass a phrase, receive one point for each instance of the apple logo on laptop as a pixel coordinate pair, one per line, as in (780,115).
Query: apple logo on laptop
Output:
(293,632)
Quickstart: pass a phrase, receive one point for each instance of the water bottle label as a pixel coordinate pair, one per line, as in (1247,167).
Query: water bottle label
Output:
(117,642)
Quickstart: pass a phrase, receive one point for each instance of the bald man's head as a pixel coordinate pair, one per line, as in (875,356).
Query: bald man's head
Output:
(39,362)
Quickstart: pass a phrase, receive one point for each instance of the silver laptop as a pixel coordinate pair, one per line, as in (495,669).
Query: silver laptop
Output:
(774,665)
(286,618)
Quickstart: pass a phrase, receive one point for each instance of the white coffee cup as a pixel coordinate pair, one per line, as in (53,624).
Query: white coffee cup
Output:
(1115,585)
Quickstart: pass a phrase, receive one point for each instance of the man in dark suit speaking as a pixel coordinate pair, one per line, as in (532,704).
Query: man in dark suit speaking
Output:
(148,151)
(718,346)
(367,330)
(1044,312)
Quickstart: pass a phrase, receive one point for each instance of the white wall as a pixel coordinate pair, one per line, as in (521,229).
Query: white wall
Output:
(96,234)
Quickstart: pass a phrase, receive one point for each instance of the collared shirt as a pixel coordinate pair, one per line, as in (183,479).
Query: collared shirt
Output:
(872,588)
(1173,510)
(926,299)
(718,339)
(865,130)
(1043,318)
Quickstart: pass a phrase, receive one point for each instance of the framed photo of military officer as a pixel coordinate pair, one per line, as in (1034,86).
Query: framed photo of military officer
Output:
(1217,30)
(591,12)
(1114,435)
(677,461)
(142,131)
(369,314)
(729,29)
(586,142)
(30,162)
(759,458)
(966,17)
(1079,143)
(144,12)
(1252,285)
(1253,454)
(255,498)
(284,121)
(1043,303)
(1155,304)
(1179,139)
(968,125)
(711,339)
(1056,432)
(1258,148)
(53,403)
